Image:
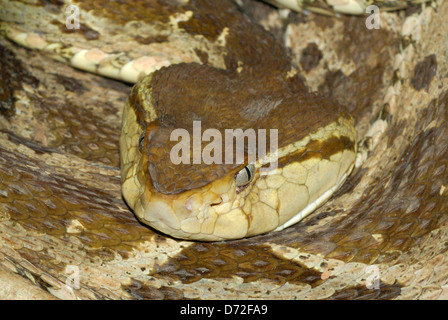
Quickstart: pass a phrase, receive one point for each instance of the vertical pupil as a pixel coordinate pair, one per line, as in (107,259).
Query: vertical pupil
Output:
(249,175)
(140,142)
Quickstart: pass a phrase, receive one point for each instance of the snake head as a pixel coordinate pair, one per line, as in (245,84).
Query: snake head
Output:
(185,172)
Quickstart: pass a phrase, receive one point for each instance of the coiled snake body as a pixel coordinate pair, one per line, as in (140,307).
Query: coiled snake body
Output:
(61,207)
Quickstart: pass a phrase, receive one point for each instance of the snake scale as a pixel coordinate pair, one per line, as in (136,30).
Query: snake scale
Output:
(61,210)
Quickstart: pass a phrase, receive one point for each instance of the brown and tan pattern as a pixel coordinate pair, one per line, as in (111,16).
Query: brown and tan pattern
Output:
(61,205)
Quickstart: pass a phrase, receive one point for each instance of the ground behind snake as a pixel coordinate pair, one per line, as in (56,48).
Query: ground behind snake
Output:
(61,207)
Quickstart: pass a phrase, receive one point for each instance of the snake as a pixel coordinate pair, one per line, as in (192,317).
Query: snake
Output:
(193,61)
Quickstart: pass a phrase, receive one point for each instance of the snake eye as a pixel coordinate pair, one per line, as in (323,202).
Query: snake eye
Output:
(245,175)
(141,141)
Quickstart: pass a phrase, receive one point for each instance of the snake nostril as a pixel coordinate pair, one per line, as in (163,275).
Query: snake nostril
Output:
(215,203)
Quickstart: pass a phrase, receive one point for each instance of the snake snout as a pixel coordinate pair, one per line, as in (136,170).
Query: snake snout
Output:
(195,203)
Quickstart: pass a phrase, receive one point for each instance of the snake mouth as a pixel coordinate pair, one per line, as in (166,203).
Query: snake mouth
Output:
(315,204)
